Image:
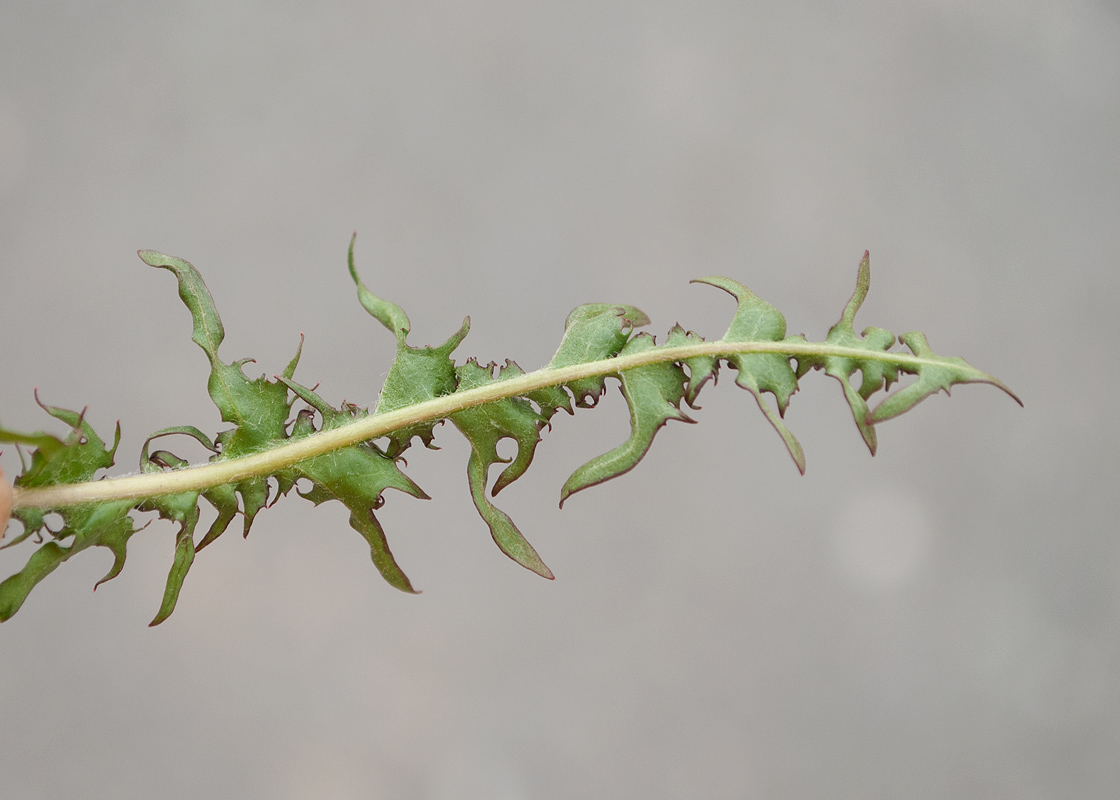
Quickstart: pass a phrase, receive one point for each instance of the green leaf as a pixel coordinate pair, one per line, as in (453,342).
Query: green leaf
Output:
(208,331)
(103,524)
(355,476)
(934,374)
(593,332)
(55,462)
(339,458)
(876,374)
(184,557)
(417,373)
(654,395)
(183,508)
(387,313)
(76,458)
(484,426)
(701,369)
(758,321)
(14,590)
(258,407)
(43,441)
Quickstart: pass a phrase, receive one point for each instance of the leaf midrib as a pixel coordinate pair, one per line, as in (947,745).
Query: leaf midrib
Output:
(274,459)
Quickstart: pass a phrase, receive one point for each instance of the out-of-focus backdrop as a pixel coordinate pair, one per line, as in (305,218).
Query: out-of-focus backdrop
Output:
(942,620)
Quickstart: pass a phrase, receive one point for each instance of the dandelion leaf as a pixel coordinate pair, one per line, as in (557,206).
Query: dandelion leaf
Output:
(701,369)
(878,370)
(258,408)
(653,394)
(934,374)
(875,374)
(484,426)
(757,321)
(175,506)
(350,456)
(355,476)
(593,332)
(417,373)
(55,461)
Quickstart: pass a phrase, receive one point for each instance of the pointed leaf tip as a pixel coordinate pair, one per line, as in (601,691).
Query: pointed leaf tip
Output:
(290,370)
(863,285)
(387,313)
(184,557)
(208,330)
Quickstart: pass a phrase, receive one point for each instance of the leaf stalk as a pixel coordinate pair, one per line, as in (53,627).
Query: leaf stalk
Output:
(267,462)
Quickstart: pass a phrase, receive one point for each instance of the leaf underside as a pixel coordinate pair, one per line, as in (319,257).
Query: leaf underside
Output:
(264,414)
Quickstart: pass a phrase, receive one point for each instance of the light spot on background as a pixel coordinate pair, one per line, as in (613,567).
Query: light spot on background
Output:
(881,539)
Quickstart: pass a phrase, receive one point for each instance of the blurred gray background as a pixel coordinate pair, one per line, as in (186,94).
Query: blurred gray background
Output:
(940,621)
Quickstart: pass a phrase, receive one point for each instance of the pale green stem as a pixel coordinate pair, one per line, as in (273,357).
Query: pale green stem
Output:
(267,462)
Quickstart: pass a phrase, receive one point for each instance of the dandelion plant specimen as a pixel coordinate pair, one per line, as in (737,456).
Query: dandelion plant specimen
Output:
(284,433)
